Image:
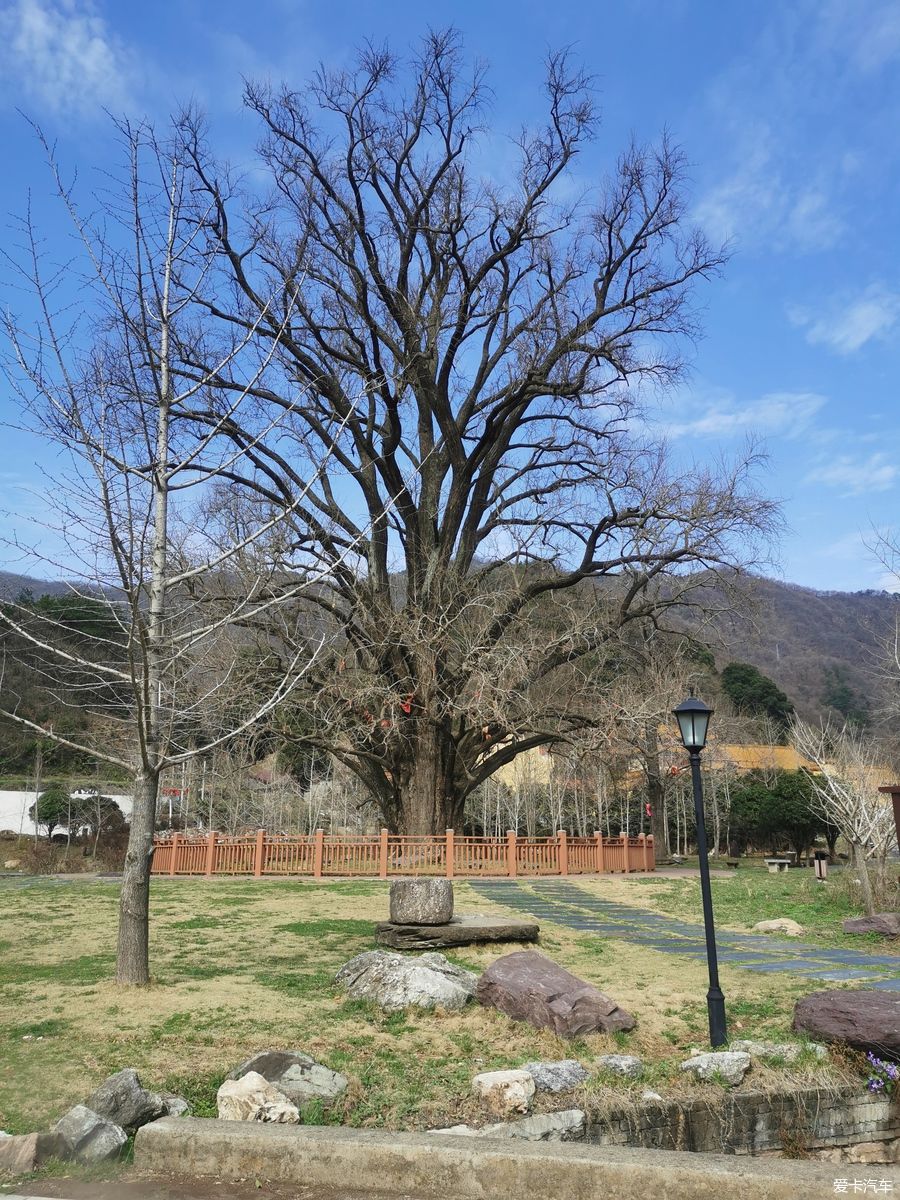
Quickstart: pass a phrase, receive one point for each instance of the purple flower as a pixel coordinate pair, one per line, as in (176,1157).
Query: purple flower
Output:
(876,1085)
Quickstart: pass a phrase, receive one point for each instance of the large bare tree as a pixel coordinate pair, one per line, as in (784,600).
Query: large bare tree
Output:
(502,317)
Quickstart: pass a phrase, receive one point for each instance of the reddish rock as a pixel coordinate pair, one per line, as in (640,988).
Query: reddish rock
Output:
(865,1020)
(529,987)
(23,1154)
(887,923)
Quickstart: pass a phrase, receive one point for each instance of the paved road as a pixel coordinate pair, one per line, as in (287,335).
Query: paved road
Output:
(567,904)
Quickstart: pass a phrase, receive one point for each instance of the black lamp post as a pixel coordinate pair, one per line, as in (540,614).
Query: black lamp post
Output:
(693,721)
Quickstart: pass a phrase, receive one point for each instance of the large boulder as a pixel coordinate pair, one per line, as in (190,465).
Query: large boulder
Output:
(421,901)
(865,1020)
(886,923)
(122,1100)
(395,981)
(564,1126)
(555,1077)
(527,986)
(461,931)
(89,1137)
(296,1075)
(252,1098)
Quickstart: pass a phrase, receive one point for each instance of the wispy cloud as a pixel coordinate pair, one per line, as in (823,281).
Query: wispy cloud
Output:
(787,414)
(847,326)
(62,55)
(854,476)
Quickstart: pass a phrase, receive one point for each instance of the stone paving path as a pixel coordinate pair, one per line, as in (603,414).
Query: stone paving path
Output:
(567,904)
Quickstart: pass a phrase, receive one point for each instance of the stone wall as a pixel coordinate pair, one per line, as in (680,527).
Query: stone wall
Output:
(843,1126)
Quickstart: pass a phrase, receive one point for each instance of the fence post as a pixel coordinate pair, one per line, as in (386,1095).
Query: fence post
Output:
(563,851)
(176,845)
(258,856)
(626,861)
(318,853)
(383,855)
(210,853)
(646,844)
(448,855)
(599,864)
(511,853)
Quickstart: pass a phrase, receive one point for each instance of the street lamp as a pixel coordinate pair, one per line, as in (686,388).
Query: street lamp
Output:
(693,722)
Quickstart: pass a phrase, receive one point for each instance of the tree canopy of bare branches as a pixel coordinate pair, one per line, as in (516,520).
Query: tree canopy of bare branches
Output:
(499,321)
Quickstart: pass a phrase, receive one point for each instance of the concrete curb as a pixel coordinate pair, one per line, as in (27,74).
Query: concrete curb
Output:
(449,1167)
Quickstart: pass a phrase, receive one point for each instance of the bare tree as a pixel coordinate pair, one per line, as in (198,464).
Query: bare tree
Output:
(139,511)
(846,791)
(500,331)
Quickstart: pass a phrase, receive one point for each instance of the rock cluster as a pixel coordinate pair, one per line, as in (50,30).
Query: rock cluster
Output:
(95,1130)
(297,1076)
(422,919)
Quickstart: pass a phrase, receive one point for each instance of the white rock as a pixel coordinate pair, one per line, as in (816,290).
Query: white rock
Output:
(780,925)
(505,1091)
(565,1126)
(730,1065)
(397,981)
(628,1065)
(648,1094)
(252,1098)
(789,1051)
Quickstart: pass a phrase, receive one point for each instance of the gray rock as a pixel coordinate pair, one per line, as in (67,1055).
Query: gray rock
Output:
(421,901)
(461,931)
(627,1065)
(295,1074)
(89,1137)
(565,1126)
(122,1100)
(788,1051)
(505,1091)
(555,1077)
(649,1094)
(730,1065)
(395,981)
(887,924)
(176,1106)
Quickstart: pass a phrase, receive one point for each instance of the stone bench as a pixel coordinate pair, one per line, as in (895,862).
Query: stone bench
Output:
(775,865)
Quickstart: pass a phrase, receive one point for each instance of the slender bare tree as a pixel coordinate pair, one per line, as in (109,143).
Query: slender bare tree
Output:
(848,774)
(139,525)
(501,329)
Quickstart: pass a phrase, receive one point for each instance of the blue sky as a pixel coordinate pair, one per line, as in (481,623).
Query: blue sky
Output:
(788,113)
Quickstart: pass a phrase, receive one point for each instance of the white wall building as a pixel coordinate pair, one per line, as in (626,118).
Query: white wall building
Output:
(14,808)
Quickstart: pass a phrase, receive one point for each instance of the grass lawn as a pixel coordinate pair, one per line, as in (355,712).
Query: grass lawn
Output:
(241,965)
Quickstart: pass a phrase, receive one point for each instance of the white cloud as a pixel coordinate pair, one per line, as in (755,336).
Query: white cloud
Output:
(847,327)
(856,475)
(787,414)
(62,55)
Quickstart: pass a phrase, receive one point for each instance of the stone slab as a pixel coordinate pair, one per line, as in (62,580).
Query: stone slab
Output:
(444,1165)
(461,931)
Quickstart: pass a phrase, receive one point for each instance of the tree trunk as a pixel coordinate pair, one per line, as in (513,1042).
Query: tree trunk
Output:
(133,955)
(429,802)
(655,792)
(862,870)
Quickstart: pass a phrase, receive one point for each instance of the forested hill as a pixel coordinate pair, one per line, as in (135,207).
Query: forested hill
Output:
(822,648)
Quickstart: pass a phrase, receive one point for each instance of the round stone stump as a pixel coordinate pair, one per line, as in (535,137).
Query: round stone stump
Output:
(421,901)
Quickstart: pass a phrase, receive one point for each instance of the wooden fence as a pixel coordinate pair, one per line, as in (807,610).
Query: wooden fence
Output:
(380,856)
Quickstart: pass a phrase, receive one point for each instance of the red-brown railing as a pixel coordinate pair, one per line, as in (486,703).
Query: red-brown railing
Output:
(385,854)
